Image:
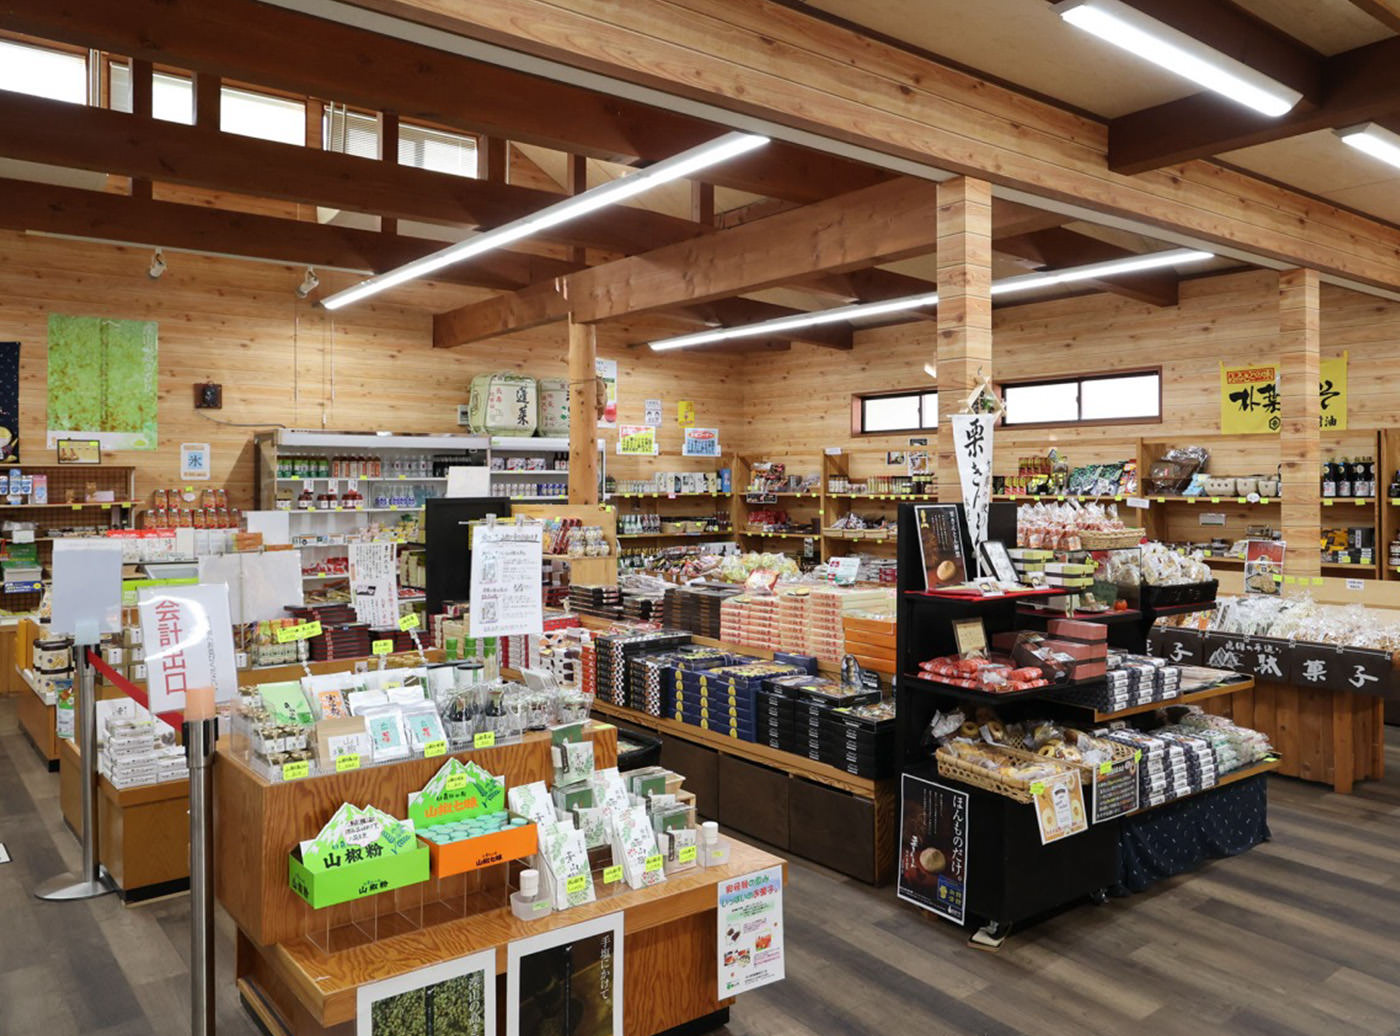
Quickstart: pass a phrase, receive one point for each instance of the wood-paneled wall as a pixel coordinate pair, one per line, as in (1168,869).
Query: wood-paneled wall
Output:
(797,403)
(283,361)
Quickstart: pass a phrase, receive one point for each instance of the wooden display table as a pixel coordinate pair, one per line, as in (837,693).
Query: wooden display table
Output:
(143,833)
(295,989)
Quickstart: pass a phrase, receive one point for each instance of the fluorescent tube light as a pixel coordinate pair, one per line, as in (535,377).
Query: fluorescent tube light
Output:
(677,167)
(767,328)
(1097,271)
(865,310)
(1376,141)
(1126,27)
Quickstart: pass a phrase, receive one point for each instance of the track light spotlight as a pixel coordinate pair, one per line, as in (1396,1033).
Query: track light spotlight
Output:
(308,284)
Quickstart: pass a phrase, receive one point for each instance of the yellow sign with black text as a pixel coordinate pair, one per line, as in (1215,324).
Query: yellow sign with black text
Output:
(1332,394)
(1250,403)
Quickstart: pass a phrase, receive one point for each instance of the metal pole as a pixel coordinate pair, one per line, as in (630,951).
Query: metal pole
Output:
(93,880)
(200,737)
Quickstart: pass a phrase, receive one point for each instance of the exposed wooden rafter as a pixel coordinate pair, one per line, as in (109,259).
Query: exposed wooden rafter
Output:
(1387,12)
(96,139)
(1358,85)
(258,43)
(110,217)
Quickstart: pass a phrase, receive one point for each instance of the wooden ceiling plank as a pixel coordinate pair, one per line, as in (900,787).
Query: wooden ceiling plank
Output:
(78,137)
(1387,12)
(285,50)
(1059,249)
(110,217)
(1360,85)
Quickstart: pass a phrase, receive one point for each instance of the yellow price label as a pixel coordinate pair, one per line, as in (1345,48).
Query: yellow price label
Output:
(1265,500)
(601,726)
(686,854)
(1316,580)
(301,631)
(296,771)
(1243,500)
(486,739)
(108,507)
(1161,500)
(1215,499)
(348,761)
(455,782)
(381,647)
(1328,503)
(409,621)
(576,884)
(1105,768)
(653,863)
(77,507)
(434,748)
(1037,788)
(612,875)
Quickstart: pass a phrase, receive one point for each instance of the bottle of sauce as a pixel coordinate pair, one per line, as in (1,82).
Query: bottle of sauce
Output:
(1329,480)
(1344,479)
(306,500)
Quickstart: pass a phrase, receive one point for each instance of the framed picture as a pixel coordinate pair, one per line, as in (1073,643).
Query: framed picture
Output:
(567,981)
(80,451)
(454,998)
(998,561)
(941,545)
(894,457)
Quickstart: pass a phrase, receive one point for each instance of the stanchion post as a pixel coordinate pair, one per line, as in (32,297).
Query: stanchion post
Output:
(201,735)
(93,880)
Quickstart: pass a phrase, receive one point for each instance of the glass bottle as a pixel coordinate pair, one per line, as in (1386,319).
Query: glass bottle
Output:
(1329,480)
(1344,479)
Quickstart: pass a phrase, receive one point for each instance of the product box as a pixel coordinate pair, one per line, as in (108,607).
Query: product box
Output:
(1074,629)
(469,854)
(351,881)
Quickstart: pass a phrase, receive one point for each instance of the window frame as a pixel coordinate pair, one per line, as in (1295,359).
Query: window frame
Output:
(1078,380)
(858,411)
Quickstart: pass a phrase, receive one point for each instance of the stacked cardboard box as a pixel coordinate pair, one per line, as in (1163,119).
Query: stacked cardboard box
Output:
(870,636)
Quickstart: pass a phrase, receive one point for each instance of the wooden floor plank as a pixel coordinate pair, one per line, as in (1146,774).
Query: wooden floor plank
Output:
(1295,937)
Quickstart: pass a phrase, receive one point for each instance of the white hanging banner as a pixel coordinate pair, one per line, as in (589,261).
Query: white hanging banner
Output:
(374,584)
(972,445)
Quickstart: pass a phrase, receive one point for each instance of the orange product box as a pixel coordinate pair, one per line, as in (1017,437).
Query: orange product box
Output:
(472,854)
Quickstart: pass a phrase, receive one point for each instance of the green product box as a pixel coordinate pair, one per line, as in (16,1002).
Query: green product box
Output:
(356,880)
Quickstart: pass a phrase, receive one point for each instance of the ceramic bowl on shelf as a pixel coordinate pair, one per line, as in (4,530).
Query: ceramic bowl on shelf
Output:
(1268,487)
(1245,486)
(1215,486)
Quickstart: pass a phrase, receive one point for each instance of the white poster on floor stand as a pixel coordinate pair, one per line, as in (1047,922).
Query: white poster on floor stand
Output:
(749,939)
(374,583)
(189,643)
(506,597)
(87,586)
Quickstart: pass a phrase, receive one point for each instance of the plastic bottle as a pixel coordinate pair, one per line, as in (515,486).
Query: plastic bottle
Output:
(713,851)
(528,904)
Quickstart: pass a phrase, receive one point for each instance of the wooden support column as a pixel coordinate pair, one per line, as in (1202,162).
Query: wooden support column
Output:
(389,152)
(208,101)
(964,350)
(1300,439)
(494,160)
(578,184)
(142,101)
(583,419)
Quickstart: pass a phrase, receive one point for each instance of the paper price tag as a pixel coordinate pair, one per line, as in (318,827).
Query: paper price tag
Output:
(301,631)
(686,854)
(1355,584)
(486,739)
(455,782)
(296,771)
(409,621)
(1037,788)
(381,647)
(654,863)
(77,507)
(1105,768)
(577,883)
(1215,499)
(349,761)
(434,748)
(612,875)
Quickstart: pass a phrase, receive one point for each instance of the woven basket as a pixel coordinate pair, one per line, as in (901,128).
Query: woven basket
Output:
(957,769)
(1086,771)
(1111,540)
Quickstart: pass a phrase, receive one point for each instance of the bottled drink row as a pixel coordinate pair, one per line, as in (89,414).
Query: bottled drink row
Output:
(369,466)
(1349,478)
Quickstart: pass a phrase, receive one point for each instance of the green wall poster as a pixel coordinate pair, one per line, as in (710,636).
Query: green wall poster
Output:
(102,381)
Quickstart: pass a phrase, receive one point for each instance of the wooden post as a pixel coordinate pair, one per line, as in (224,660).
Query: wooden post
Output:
(142,102)
(389,152)
(1300,339)
(577,184)
(208,100)
(583,415)
(964,351)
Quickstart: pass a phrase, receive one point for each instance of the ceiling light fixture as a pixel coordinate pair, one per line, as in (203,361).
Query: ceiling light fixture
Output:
(1376,141)
(1097,271)
(308,284)
(866,310)
(677,167)
(1126,27)
(157,267)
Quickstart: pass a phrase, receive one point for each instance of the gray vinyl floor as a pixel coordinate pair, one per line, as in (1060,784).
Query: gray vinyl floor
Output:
(1299,936)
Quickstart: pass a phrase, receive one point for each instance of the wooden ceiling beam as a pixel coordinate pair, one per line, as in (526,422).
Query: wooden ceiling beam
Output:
(738,311)
(110,217)
(285,50)
(883,223)
(1359,85)
(96,139)
(1387,12)
(1060,249)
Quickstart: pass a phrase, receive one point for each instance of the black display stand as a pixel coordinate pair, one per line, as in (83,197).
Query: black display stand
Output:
(1011,876)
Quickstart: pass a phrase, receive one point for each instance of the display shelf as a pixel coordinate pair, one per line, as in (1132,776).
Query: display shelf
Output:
(532,444)
(1036,498)
(973,697)
(673,535)
(361,478)
(1184,609)
(1232,687)
(536,499)
(103,504)
(324,576)
(535,473)
(779,535)
(864,535)
(895,497)
(666,924)
(663,496)
(1359,501)
(1244,773)
(355,510)
(1129,615)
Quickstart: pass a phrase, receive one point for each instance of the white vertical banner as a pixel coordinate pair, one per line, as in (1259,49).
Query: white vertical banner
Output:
(506,597)
(972,445)
(374,584)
